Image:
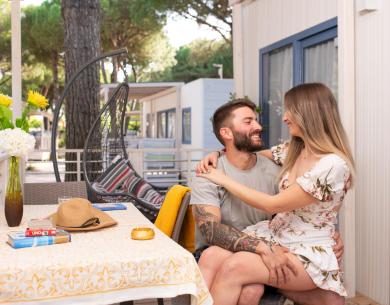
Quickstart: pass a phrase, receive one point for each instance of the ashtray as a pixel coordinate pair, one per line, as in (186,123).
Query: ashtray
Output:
(142,233)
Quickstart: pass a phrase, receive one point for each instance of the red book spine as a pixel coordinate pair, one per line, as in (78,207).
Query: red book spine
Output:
(40,232)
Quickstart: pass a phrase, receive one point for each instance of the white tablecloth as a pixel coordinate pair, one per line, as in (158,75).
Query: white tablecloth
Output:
(97,267)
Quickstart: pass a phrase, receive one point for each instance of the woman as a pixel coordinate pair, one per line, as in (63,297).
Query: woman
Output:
(316,174)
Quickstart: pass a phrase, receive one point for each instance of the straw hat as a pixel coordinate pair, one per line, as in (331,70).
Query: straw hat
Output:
(78,214)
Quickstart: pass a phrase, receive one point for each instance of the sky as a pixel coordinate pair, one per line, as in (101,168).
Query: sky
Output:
(180,31)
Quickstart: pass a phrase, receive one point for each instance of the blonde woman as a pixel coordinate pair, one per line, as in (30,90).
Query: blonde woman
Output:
(316,174)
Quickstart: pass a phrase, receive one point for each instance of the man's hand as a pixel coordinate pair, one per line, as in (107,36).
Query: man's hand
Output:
(278,264)
(338,248)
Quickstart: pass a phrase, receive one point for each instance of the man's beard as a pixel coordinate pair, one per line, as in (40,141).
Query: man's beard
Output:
(243,142)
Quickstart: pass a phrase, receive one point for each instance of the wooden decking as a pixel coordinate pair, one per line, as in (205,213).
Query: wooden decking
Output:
(360,300)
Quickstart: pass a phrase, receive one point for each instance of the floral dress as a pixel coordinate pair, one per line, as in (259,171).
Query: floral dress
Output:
(307,231)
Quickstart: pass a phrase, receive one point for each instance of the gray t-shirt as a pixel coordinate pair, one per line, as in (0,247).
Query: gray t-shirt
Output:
(234,212)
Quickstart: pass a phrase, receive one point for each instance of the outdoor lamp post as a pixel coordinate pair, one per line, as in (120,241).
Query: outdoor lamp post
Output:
(220,69)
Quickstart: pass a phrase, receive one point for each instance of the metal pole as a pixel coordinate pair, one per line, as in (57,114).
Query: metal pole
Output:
(16,59)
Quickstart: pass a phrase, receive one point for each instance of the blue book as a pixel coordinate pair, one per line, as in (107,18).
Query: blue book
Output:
(19,240)
(109,206)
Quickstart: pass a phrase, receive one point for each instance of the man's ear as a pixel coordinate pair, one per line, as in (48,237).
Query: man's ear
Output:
(226,133)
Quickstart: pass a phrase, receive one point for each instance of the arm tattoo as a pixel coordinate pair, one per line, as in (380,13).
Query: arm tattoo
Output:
(218,234)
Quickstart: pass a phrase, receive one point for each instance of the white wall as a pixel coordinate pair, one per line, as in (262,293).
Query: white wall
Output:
(164,102)
(372,60)
(216,93)
(192,95)
(265,22)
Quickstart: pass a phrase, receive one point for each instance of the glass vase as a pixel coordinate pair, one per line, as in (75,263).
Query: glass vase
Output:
(13,196)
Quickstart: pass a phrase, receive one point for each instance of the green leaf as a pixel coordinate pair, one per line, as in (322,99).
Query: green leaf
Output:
(19,122)
(6,113)
(5,123)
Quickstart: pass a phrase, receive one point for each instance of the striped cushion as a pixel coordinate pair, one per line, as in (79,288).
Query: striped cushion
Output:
(141,189)
(115,175)
(119,177)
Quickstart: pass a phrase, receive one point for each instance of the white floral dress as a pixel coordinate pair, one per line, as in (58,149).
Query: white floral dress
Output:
(307,232)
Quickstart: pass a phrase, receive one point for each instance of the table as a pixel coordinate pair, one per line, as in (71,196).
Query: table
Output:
(98,267)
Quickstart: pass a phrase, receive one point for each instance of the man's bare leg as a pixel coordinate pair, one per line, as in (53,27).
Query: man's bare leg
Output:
(314,297)
(211,261)
(251,294)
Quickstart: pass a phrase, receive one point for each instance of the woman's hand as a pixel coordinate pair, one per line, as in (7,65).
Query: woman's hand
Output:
(338,248)
(214,175)
(207,162)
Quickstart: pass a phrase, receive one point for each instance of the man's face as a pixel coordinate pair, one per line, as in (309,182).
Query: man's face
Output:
(246,130)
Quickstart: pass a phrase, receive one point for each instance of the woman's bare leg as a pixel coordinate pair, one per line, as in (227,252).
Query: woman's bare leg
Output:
(244,268)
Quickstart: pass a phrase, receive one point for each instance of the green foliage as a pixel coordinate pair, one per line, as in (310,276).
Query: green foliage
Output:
(136,25)
(216,14)
(134,125)
(5,47)
(34,123)
(5,118)
(196,61)
(43,30)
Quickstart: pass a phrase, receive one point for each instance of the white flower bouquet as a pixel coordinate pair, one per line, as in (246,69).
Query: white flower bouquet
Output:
(16,142)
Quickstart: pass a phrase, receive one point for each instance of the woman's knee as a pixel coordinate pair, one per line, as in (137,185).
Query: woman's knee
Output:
(251,294)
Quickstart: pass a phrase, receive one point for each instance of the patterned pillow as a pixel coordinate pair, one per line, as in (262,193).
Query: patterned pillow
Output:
(119,177)
(114,177)
(141,189)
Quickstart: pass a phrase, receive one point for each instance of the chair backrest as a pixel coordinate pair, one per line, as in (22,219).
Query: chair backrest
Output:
(180,217)
(48,193)
(105,140)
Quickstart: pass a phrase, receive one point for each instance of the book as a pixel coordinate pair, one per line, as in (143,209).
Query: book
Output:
(18,240)
(109,206)
(43,223)
(40,232)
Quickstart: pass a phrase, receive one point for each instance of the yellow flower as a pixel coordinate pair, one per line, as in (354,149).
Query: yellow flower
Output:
(5,100)
(37,100)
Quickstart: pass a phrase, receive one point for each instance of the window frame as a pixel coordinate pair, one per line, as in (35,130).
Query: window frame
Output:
(312,36)
(165,114)
(183,140)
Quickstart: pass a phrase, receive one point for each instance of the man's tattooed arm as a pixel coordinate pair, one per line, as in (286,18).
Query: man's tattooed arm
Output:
(218,234)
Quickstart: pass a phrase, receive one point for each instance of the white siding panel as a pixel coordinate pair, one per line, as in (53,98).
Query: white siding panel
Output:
(265,22)
(164,102)
(372,152)
(192,95)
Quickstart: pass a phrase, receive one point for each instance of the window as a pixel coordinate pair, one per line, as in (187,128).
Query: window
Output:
(186,135)
(166,123)
(149,124)
(309,56)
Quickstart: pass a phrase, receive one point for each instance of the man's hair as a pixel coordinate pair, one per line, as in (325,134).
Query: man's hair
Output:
(223,115)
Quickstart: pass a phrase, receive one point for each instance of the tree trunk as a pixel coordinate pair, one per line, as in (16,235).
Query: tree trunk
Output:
(81,43)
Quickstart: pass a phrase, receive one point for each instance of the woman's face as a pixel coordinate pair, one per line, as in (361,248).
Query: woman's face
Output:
(293,127)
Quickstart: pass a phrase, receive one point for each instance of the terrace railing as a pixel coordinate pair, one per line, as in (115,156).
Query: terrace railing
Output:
(161,166)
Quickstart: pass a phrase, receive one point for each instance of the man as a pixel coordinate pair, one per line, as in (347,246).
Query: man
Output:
(220,217)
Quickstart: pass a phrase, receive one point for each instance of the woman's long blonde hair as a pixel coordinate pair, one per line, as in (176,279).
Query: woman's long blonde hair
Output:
(314,109)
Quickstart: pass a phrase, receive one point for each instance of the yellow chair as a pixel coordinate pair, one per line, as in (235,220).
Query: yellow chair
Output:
(175,217)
